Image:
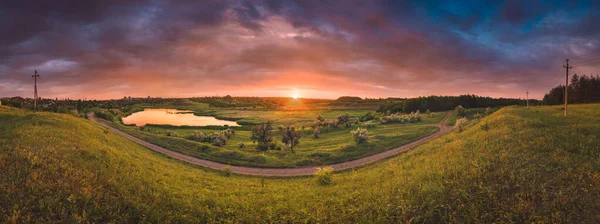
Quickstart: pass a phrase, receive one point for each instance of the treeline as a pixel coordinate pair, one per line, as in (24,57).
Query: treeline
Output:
(442,103)
(231,102)
(252,102)
(582,89)
(70,106)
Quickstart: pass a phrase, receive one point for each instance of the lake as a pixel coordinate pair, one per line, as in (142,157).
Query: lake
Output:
(173,117)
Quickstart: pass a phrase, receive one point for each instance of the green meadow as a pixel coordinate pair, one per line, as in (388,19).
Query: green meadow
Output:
(515,165)
(334,144)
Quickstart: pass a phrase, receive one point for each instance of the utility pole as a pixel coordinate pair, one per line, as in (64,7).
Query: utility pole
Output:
(527,92)
(567,84)
(35,95)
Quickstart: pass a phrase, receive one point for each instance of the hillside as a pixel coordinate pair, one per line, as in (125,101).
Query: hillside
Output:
(516,165)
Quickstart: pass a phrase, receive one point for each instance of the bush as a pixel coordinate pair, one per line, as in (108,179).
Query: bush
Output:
(401,118)
(226,171)
(316,132)
(228,132)
(323,175)
(368,125)
(366,117)
(198,136)
(488,110)
(485,127)
(218,139)
(360,135)
(215,138)
(105,116)
(344,119)
(460,124)
(172,133)
(242,145)
(262,147)
(461,111)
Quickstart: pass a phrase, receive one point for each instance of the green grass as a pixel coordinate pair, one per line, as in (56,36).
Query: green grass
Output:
(470,114)
(333,146)
(529,166)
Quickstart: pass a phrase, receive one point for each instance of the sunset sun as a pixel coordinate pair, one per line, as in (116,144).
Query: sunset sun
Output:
(295,94)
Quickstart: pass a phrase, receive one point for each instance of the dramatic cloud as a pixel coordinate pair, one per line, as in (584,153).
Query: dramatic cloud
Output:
(110,49)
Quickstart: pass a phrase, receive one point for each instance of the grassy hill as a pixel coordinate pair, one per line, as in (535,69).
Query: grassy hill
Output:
(516,165)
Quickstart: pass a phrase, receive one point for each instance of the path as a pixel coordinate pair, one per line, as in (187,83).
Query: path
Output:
(279,172)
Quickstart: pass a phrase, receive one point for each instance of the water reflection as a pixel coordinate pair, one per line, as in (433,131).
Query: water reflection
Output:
(173,117)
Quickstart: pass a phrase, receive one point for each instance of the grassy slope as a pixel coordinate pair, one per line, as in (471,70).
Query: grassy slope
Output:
(334,145)
(531,165)
(470,114)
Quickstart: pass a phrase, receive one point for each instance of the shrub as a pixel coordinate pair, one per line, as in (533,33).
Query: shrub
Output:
(215,138)
(428,112)
(366,117)
(218,139)
(478,116)
(198,136)
(401,118)
(368,125)
(105,116)
(172,133)
(242,145)
(344,119)
(485,127)
(323,175)
(228,132)
(432,114)
(488,110)
(262,147)
(360,135)
(461,111)
(320,118)
(226,171)
(316,132)
(460,124)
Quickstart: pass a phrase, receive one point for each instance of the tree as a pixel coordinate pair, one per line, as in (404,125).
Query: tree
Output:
(360,135)
(290,137)
(344,119)
(262,133)
(461,111)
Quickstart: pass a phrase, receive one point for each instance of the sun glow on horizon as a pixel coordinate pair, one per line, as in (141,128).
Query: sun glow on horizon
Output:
(295,94)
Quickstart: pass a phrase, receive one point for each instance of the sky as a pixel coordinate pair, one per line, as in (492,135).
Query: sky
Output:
(103,49)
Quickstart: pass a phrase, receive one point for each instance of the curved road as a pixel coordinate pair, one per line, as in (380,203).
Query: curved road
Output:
(279,172)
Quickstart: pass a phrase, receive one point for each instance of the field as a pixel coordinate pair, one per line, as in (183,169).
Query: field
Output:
(516,165)
(334,145)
